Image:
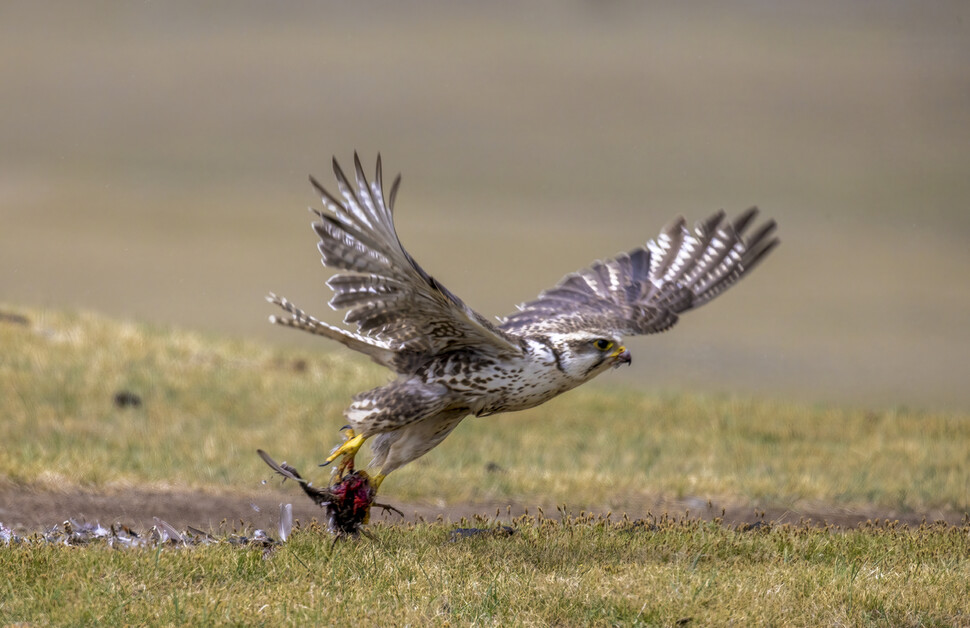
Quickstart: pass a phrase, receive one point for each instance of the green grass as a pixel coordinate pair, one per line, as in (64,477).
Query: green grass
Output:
(582,571)
(209,403)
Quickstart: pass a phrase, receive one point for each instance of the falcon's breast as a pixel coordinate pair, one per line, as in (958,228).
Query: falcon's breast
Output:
(486,385)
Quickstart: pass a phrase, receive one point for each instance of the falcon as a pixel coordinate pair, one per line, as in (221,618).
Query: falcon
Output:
(451,362)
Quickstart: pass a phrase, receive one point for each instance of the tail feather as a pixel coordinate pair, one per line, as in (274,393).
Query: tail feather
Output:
(380,352)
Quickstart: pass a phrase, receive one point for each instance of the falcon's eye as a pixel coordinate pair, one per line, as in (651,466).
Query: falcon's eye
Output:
(603,345)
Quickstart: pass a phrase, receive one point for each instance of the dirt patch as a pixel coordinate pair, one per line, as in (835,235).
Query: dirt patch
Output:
(28,510)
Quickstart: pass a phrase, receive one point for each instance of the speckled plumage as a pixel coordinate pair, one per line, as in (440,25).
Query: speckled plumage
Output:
(451,362)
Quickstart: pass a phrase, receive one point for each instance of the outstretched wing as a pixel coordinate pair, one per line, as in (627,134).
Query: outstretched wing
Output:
(644,291)
(399,310)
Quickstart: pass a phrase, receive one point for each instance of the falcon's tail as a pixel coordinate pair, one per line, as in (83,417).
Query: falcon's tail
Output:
(378,351)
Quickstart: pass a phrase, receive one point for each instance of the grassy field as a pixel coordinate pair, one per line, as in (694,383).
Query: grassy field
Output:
(207,403)
(576,572)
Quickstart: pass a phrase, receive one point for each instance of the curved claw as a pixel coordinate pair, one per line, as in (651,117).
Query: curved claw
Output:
(349,435)
(348,448)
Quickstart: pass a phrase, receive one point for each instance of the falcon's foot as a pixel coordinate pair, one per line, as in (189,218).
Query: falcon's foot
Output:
(346,451)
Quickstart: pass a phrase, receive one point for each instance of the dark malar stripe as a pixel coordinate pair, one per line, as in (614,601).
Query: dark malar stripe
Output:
(555,354)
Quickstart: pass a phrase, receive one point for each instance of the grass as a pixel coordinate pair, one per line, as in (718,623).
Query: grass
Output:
(580,571)
(208,403)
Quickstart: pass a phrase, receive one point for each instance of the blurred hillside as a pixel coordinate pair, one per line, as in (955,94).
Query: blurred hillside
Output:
(154,160)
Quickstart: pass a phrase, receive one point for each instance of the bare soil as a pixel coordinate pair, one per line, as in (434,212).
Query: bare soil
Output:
(28,510)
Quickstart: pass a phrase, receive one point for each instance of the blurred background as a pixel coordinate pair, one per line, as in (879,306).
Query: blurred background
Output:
(154,160)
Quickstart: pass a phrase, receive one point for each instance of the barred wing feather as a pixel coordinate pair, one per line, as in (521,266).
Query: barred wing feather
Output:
(391,301)
(644,291)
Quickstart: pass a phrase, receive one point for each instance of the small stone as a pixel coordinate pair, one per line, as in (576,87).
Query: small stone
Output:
(127,399)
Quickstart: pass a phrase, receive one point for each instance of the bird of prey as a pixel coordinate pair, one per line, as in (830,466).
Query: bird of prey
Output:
(451,362)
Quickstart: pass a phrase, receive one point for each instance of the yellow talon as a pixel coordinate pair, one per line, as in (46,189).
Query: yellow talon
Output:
(348,448)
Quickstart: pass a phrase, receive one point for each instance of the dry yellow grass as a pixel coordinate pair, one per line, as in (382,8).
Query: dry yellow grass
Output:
(574,572)
(208,403)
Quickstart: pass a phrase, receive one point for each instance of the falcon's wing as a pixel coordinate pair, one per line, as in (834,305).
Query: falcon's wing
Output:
(398,308)
(643,291)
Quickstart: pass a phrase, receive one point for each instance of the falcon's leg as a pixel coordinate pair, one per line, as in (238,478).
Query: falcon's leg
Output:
(395,449)
(386,410)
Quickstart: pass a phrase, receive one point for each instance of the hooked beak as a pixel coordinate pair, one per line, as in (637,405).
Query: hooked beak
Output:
(621,356)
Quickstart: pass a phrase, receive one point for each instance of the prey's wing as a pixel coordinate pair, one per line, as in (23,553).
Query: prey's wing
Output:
(644,291)
(387,296)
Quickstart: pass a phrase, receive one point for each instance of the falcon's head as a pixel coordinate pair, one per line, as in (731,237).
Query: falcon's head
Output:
(585,354)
